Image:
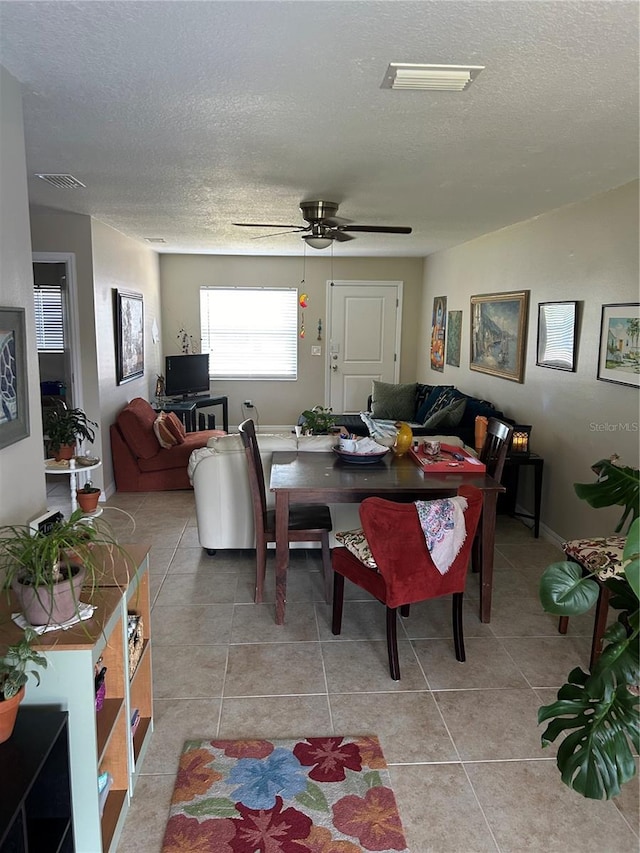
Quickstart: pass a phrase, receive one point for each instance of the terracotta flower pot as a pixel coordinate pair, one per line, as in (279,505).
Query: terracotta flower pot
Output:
(88,501)
(8,714)
(65,451)
(51,605)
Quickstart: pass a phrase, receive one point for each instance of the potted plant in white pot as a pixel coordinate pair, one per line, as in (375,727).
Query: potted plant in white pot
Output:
(46,571)
(598,710)
(63,427)
(14,674)
(318,421)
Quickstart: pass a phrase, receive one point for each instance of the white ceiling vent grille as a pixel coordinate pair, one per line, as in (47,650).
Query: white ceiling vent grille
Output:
(61,182)
(155,239)
(439,78)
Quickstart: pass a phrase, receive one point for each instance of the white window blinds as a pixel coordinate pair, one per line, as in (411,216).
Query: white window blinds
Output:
(250,332)
(49,309)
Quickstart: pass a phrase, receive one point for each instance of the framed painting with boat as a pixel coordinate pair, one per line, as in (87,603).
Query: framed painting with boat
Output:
(498,334)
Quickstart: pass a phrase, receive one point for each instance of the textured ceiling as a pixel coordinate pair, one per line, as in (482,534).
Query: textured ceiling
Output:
(183,117)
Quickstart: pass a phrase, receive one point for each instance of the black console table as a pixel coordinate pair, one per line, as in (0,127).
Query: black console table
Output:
(510,478)
(35,789)
(187,410)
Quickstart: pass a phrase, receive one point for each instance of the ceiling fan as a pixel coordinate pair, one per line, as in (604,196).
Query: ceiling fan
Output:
(323,226)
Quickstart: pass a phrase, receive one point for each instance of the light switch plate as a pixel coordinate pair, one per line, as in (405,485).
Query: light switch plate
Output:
(316,350)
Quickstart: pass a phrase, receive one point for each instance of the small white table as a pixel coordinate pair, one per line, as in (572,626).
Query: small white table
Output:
(71,470)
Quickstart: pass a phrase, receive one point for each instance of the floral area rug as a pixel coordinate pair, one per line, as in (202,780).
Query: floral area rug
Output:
(317,795)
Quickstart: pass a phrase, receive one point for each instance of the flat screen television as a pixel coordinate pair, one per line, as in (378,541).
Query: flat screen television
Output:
(186,375)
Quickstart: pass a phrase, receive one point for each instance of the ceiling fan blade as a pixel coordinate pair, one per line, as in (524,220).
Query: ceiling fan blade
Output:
(336,221)
(266,225)
(340,236)
(377,229)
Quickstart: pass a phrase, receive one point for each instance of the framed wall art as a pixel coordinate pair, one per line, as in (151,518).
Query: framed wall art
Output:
(557,335)
(14,389)
(438,332)
(619,356)
(454,338)
(129,336)
(498,334)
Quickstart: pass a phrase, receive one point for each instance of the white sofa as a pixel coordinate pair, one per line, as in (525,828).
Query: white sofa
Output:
(218,473)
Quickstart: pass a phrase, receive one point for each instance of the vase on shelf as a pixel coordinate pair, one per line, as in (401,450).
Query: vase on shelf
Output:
(404,438)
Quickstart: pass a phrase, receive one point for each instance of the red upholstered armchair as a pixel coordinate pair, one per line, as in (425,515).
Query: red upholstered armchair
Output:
(404,571)
(140,464)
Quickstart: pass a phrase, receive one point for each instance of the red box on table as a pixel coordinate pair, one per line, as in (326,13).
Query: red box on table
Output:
(445,462)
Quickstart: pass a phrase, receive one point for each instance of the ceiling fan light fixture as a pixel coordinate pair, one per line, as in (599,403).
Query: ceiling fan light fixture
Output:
(317,242)
(440,78)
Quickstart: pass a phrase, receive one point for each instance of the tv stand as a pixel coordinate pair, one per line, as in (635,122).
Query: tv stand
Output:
(187,409)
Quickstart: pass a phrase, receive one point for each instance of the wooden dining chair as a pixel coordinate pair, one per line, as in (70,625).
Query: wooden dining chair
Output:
(494,454)
(389,558)
(307,522)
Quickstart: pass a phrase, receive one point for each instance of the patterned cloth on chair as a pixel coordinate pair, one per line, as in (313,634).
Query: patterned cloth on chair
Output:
(601,555)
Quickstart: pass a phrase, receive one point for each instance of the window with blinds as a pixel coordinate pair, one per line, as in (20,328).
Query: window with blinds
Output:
(250,332)
(49,308)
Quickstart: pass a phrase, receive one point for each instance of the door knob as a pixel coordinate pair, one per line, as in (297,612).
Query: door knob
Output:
(334,367)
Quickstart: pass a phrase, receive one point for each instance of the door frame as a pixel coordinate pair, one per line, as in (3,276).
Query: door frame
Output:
(73,339)
(330,284)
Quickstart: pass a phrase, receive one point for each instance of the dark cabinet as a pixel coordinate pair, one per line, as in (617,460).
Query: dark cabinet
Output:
(35,788)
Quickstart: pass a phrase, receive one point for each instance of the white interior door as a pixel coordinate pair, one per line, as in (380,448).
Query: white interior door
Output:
(363,340)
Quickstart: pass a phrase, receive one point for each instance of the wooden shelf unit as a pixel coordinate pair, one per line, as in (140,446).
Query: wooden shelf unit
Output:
(99,741)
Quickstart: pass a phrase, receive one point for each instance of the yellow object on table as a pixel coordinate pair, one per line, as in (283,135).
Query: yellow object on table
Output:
(404,438)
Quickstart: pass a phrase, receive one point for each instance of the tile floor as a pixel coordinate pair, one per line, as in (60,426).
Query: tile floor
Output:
(461,740)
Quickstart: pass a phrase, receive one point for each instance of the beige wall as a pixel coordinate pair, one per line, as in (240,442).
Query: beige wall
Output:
(105,260)
(280,403)
(586,252)
(22,481)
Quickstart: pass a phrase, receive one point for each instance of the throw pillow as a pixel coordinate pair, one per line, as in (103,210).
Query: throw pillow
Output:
(165,436)
(394,402)
(432,399)
(356,543)
(176,426)
(450,416)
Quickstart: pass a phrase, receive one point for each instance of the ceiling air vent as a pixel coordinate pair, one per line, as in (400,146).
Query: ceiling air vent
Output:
(155,239)
(438,78)
(61,182)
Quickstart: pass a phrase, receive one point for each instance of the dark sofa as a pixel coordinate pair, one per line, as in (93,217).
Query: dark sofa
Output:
(428,409)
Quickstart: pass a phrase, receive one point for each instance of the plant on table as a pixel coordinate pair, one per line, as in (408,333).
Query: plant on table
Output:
(599,710)
(318,420)
(42,567)
(63,427)
(87,497)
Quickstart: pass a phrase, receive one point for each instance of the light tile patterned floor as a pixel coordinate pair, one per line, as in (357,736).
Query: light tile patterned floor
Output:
(461,739)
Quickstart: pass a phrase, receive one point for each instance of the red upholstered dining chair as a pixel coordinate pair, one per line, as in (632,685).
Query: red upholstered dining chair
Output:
(307,522)
(396,567)
(494,454)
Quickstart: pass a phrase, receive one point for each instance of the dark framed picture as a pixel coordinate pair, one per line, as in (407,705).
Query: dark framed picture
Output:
(557,335)
(129,336)
(454,338)
(498,334)
(14,389)
(438,332)
(619,357)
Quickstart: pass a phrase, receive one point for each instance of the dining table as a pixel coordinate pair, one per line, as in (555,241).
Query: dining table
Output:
(324,477)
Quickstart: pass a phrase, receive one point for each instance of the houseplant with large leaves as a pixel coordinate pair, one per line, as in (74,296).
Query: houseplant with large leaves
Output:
(63,427)
(598,710)
(15,663)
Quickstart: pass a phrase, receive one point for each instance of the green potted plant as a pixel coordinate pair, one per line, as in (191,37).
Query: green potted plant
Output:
(598,710)
(88,496)
(46,571)
(63,427)
(318,421)
(14,673)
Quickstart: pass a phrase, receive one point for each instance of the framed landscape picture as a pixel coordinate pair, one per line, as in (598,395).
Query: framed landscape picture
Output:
(498,334)
(14,399)
(557,335)
(129,336)
(454,338)
(438,332)
(619,357)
